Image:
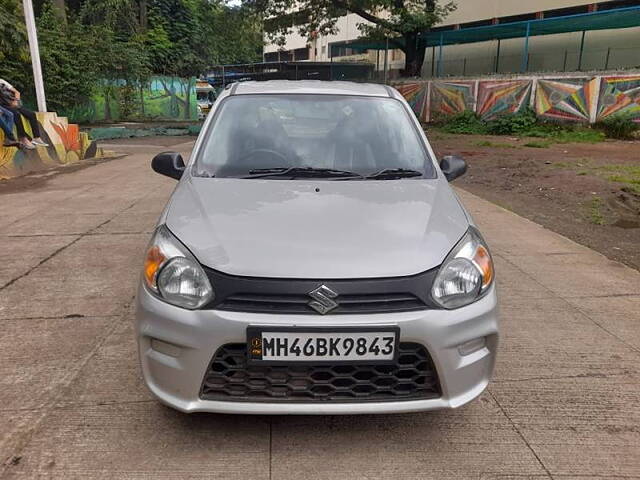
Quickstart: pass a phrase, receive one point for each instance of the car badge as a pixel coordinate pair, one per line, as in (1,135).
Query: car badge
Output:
(323,299)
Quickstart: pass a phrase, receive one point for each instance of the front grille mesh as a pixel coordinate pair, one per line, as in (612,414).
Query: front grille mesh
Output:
(230,378)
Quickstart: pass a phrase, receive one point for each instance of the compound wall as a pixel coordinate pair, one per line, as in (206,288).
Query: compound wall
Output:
(66,145)
(159,99)
(586,99)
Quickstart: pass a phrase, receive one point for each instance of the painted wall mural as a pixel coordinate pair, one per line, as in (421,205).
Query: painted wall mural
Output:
(449,98)
(573,99)
(162,98)
(566,99)
(498,97)
(66,145)
(619,95)
(416,96)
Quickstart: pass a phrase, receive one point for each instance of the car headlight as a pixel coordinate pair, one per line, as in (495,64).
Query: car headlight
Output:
(466,274)
(173,274)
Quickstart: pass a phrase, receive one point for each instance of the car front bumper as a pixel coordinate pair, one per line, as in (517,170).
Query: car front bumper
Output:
(177,345)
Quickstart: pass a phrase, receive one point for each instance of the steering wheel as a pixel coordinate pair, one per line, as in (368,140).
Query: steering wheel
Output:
(266,151)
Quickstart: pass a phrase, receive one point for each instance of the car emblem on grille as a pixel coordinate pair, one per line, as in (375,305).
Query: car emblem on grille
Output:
(322,299)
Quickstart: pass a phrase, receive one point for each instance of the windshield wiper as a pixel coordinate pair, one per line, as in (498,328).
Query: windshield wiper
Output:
(301,172)
(390,173)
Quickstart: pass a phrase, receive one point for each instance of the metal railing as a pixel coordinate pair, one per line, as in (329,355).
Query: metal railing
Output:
(563,60)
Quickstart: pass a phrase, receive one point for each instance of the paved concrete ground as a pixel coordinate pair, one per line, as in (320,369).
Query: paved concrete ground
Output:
(565,402)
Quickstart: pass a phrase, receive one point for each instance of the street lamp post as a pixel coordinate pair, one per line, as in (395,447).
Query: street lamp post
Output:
(30,21)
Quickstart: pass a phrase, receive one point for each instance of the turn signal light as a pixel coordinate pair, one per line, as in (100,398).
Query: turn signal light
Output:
(152,263)
(483,260)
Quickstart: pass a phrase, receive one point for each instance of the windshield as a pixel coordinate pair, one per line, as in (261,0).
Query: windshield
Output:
(363,135)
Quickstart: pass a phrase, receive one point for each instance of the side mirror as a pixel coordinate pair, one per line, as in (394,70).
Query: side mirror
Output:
(170,164)
(453,167)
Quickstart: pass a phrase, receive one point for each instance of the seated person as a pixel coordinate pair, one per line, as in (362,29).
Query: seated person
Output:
(6,124)
(10,100)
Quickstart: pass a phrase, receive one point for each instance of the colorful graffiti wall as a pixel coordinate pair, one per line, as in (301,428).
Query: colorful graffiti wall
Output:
(569,99)
(499,97)
(416,95)
(619,95)
(162,98)
(66,145)
(449,98)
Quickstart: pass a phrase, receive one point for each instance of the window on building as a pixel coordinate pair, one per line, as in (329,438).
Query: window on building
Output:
(340,51)
(301,53)
(562,12)
(478,23)
(517,18)
(617,4)
(286,55)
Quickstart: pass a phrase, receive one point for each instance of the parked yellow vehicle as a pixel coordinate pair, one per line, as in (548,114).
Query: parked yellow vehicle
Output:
(205,95)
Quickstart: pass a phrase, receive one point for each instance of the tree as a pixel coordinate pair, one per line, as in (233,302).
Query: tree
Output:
(399,21)
(112,47)
(229,34)
(15,63)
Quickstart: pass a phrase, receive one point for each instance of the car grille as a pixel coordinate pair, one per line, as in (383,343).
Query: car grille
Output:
(382,303)
(411,377)
(292,296)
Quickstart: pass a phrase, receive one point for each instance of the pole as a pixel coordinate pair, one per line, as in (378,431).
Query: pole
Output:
(30,21)
(498,57)
(581,50)
(224,80)
(433,61)
(464,66)
(564,64)
(525,53)
(439,71)
(386,55)
(378,64)
(606,62)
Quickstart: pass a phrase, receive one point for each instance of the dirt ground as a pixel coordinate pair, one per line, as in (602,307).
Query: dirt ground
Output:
(587,192)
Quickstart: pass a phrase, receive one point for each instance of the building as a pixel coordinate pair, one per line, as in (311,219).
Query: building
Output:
(574,50)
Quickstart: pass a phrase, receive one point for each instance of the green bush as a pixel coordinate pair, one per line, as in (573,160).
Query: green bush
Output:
(466,122)
(620,125)
(513,124)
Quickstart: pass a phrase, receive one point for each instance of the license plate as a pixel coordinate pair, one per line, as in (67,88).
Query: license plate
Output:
(334,345)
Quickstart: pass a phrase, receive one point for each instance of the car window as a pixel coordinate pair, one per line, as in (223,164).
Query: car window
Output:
(357,134)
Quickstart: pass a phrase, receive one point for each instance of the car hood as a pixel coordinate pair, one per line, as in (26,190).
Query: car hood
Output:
(316,229)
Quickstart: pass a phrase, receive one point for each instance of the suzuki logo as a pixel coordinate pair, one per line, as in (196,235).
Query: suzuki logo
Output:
(322,299)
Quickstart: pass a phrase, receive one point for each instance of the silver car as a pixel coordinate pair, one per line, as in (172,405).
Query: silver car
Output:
(313,259)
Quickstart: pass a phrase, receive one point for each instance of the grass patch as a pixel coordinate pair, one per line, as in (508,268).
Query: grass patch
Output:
(541,144)
(633,183)
(595,211)
(522,124)
(579,135)
(487,143)
(629,175)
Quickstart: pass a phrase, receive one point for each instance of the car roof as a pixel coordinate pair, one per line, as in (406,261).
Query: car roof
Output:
(315,87)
